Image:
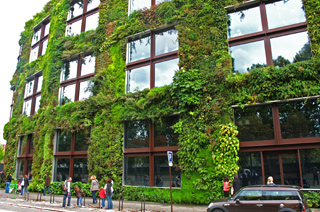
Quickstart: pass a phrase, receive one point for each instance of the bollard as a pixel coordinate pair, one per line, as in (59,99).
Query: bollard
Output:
(84,198)
(121,201)
(99,201)
(53,195)
(143,198)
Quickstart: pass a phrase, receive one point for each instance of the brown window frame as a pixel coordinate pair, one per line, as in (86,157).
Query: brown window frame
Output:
(25,157)
(35,93)
(43,37)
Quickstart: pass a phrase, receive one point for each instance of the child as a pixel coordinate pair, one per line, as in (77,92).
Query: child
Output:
(78,194)
(102,195)
(19,186)
(226,186)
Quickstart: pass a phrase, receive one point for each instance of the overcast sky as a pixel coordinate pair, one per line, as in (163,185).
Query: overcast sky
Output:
(13,16)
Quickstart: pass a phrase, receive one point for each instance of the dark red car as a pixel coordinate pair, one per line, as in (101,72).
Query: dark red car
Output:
(263,198)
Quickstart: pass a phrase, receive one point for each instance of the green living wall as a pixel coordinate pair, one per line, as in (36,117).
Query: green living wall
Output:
(202,92)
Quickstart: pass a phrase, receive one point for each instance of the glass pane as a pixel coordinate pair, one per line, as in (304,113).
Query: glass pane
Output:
(291,171)
(69,70)
(164,72)
(39,86)
(34,54)
(46,29)
(250,172)
(138,4)
(136,171)
(138,79)
(166,42)
(67,94)
(23,145)
(36,36)
(92,22)
(161,172)
(80,170)
(75,10)
(137,134)
(61,169)
(310,164)
(27,108)
(20,168)
(31,137)
(272,167)
(87,65)
(164,135)
(244,22)
(254,123)
(44,47)
(139,49)
(63,141)
(160,1)
(74,28)
(248,56)
(29,169)
(29,89)
(284,13)
(300,119)
(92,4)
(37,104)
(82,140)
(290,48)
(85,90)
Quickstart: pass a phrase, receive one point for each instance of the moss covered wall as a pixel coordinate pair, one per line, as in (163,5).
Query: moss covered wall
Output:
(202,92)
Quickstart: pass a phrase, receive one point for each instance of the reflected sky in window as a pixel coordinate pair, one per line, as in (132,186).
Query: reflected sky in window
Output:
(74,28)
(139,49)
(166,42)
(40,79)
(138,79)
(164,72)
(29,88)
(93,4)
(27,108)
(87,66)
(34,54)
(44,46)
(37,104)
(92,22)
(75,10)
(67,94)
(69,70)
(138,4)
(84,90)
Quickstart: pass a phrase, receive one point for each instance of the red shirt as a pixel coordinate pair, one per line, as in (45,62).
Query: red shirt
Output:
(226,186)
(102,194)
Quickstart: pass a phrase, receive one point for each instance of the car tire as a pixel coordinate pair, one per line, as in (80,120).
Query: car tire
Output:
(217,210)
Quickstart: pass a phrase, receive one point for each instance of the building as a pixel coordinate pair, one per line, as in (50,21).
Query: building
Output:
(108,87)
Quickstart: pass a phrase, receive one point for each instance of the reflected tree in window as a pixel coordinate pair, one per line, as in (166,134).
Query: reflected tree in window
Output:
(164,134)
(82,140)
(137,134)
(64,141)
(304,54)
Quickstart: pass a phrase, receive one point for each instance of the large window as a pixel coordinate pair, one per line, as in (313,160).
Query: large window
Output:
(152,60)
(39,40)
(75,80)
(145,149)
(142,4)
(32,94)
(25,155)
(83,16)
(71,155)
(268,33)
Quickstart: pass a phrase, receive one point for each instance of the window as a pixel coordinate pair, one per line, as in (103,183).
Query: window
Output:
(145,149)
(75,81)
(268,33)
(32,94)
(39,40)
(83,16)
(141,4)
(25,155)
(71,155)
(152,60)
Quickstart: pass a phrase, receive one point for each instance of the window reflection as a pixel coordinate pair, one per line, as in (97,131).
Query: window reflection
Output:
(164,135)
(20,173)
(44,47)
(248,56)
(39,86)
(67,94)
(310,165)
(63,141)
(138,79)
(254,123)
(29,89)
(85,90)
(34,54)
(92,4)
(92,22)
(283,13)
(74,28)
(299,119)
(80,170)
(137,134)
(136,171)
(164,72)
(160,1)
(75,10)
(23,145)
(37,104)
(30,151)
(46,29)
(61,171)
(69,70)
(36,36)
(244,22)
(250,172)
(88,64)
(27,108)
(139,49)
(161,172)
(138,4)
(82,140)
(166,42)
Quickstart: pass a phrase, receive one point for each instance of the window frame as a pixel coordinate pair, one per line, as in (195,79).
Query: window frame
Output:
(24,157)
(35,92)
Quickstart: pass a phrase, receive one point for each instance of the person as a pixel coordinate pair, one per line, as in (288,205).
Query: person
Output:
(159,182)
(30,176)
(19,185)
(47,185)
(94,188)
(236,185)
(315,173)
(109,192)
(178,181)
(67,192)
(270,181)
(78,195)
(24,184)
(8,183)
(2,177)
(226,186)
(102,194)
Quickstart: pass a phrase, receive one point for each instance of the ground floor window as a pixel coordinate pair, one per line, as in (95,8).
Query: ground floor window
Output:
(74,167)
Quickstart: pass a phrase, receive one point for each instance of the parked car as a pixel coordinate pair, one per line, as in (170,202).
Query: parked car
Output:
(276,198)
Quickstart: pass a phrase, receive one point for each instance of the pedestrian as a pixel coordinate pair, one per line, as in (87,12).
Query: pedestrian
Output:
(78,195)
(2,177)
(47,185)
(8,183)
(236,185)
(67,192)
(24,184)
(94,188)
(270,181)
(102,194)
(226,186)
(109,192)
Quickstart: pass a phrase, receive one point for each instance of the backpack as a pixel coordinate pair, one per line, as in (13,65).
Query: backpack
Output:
(64,186)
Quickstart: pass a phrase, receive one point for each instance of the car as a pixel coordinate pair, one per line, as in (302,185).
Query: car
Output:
(275,198)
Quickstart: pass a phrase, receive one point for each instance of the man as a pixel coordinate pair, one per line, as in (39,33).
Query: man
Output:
(67,193)
(9,178)
(47,185)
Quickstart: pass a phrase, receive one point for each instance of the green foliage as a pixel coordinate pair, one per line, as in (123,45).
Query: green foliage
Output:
(313,198)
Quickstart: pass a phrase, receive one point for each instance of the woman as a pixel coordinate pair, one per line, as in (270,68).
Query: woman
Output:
(236,184)
(24,184)
(94,188)
(109,192)
(226,186)
(270,181)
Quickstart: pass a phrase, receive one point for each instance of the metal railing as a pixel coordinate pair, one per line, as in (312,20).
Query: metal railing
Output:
(39,194)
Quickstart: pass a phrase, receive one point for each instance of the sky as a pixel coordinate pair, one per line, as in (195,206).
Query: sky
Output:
(12,22)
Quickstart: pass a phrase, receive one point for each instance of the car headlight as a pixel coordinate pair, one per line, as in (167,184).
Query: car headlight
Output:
(210,205)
